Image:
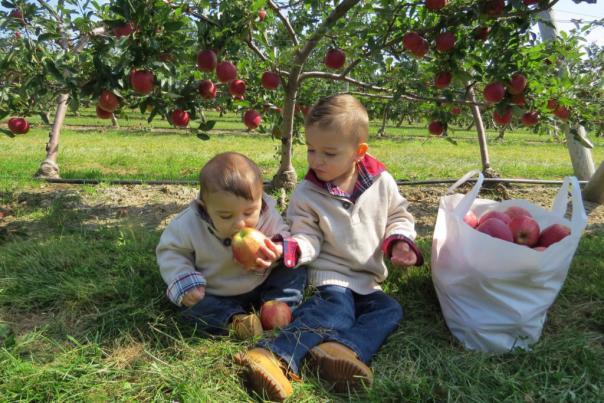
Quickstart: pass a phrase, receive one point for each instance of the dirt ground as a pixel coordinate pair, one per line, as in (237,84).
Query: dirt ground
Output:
(154,206)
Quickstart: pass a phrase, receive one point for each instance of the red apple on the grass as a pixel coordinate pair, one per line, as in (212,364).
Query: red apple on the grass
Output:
(471,219)
(142,81)
(226,71)
(442,79)
(517,84)
(525,230)
(562,112)
(102,113)
(496,228)
(252,119)
(516,211)
(206,60)
(270,80)
(504,119)
(552,234)
(494,92)
(237,87)
(436,128)
(495,214)
(108,101)
(261,14)
(207,89)
(530,118)
(445,42)
(275,315)
(245,245)
(18,125)
(481,33)
(335,58)
(436,5)
(180,118)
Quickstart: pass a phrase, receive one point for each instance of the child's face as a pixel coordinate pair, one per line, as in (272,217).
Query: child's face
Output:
(331,154)
(230,213)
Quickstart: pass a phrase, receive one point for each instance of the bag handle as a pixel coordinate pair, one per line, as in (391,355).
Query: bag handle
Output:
(464,205)
(560,204)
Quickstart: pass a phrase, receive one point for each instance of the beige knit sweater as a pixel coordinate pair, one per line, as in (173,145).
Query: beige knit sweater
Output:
(341,241)
(188,247)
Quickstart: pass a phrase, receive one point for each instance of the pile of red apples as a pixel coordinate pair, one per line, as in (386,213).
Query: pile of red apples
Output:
(517,225)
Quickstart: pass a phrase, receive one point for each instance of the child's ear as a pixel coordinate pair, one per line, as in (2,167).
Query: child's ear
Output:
(362,150)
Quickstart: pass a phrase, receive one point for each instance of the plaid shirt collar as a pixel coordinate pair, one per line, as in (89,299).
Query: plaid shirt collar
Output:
(368,168)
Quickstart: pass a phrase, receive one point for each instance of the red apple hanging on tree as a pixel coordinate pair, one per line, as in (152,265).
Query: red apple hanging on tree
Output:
(436,5)
(442,79)
(108,101)
(207,89)
(270,80)
(335,58)
(502,119)
(102,113)
(494,92)
(237,87)
(226,71)
(252,119)
(18,125)
(142,81)
(517,84)
(445,42)
(436,128)
(206,60)
(179,118)
(530,118)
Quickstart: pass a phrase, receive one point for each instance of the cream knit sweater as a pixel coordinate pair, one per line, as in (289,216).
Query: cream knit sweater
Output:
(341,241)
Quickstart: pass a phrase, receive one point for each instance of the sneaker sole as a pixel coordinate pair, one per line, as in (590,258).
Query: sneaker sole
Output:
(343,373)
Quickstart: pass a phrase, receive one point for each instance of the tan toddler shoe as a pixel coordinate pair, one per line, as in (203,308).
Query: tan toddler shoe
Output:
(265,374)
(340,366)
(246,326)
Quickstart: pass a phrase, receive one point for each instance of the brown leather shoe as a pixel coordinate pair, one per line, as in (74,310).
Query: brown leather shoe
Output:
(265,374)
(246,325)
(340,366)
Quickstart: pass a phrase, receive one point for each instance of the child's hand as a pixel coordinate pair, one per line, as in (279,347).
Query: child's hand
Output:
(193,296)
(268,253)
(402,255)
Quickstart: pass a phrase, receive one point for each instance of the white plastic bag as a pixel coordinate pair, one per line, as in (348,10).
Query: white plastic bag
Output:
(495,294)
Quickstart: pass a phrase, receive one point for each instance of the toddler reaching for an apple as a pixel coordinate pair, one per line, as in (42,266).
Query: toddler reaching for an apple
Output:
(347,215)
(232,218)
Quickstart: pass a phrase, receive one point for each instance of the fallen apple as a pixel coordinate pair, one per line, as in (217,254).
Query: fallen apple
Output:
(245,245)
(275,315)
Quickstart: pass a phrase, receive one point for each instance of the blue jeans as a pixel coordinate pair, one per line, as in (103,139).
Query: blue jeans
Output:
(335,313)
(213,313)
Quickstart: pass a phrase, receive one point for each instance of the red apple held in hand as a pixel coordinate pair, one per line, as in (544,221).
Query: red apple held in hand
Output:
(18,125)
(275,315)
(436,128)
(180,118)
(436,5)
(525,230)
(245,245)
(496,228)
(562,112)
(517,84)
(530,118)
(226,71)
(493,8)
(142,81)
(237,88)
(334,58)
(252,119)
(552,234)
(445,42)
(515,211)
(206,60)
(207,89)
(108,101)
(261,14)
(102,113)
(504,119)
(494,92)
(442,80)
(471,219)
(270,80)
(495,214)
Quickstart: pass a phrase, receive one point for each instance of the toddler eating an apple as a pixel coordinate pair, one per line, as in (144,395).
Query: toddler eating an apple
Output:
(221,256)
(346,216)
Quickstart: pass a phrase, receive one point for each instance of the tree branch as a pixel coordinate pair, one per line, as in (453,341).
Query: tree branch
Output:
(286,22)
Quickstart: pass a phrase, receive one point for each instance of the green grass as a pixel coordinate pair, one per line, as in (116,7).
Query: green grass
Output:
(83,315)
(136,152)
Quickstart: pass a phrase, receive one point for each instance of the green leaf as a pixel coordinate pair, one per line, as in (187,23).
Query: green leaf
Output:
(206,126)
(203,136)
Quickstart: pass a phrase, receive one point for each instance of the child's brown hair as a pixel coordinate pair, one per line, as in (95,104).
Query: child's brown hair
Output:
(343,112)
(231,172)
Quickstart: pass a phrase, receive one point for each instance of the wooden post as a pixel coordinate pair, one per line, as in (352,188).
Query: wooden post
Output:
(594,190)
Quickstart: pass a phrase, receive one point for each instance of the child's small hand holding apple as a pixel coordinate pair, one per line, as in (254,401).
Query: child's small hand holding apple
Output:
(268,254)
(193,296)
(403,255)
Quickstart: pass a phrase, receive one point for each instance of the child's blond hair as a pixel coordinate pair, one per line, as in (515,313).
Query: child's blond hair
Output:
(231,172)
(342,112)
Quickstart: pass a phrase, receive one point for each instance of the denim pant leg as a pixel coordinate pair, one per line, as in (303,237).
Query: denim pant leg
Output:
(213,313)
(284,284)
(329,309)
(377,316)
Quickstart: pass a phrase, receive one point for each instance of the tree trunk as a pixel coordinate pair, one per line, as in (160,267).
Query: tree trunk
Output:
(482,137)
(382,131)
(594,190)
(580,156)
(286,175)
(49,167)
